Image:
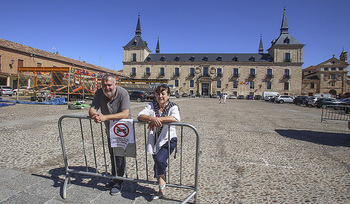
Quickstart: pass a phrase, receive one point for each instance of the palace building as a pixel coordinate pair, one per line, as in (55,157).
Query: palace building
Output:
(277,70)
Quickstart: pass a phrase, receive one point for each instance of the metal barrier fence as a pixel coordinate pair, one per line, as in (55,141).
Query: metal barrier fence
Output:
(334,112)
(90,147)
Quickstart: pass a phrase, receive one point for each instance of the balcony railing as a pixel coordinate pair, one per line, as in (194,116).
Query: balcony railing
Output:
(133,74)
(252,75)
(286,76)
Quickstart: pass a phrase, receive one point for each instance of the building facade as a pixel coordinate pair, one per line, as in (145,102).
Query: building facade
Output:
(277,70)
(330,76)
(14,55)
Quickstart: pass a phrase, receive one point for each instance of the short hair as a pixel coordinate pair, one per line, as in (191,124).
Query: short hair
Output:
(162,87)
(106,76)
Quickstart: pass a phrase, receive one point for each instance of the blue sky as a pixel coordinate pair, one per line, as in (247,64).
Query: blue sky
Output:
(96,31)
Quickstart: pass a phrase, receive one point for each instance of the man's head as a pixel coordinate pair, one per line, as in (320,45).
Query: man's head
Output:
(109,85)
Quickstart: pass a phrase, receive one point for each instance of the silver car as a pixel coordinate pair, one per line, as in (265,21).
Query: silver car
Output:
(284,99)
(5,90)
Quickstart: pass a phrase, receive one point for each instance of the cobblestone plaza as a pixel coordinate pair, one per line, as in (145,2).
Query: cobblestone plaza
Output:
(252,151)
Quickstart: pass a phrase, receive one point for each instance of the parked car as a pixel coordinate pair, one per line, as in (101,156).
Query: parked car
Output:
(21,89)
(284,99)
(345,105)
(138,96)
(326,101)
(300,100)
(184,95)
(6,90)
(232,97)
(249,97)
(311,101)
(213,96)
(240,97)
(267,98)
(257,97)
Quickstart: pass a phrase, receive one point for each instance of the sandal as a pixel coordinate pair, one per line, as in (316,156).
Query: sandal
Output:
(159,194)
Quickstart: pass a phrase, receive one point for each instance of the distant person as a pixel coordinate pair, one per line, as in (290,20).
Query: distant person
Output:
(114,102)
(157,113)
(224,97)
(220,97)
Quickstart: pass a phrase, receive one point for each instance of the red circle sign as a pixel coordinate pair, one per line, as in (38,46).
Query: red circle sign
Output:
(121,130)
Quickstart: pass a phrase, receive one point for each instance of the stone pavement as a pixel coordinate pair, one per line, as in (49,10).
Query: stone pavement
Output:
(21,187)
(252,152)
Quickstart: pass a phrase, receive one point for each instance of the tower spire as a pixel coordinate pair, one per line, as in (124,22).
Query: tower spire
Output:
(284,26)
(138,27)
(157,48)
(261,47)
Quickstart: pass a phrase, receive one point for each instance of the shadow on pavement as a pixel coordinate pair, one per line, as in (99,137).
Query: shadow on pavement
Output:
(324,138)
(130,190)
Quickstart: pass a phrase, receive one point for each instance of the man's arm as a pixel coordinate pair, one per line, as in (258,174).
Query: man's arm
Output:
(99,117)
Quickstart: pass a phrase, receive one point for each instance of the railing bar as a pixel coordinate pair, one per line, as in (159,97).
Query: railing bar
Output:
(181,155)
(137,169)
(104,148)
(83,141)
(144,127)
(169,154)
(93,145)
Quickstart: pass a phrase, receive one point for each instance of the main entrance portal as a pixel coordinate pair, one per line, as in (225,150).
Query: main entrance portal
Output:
(205,89)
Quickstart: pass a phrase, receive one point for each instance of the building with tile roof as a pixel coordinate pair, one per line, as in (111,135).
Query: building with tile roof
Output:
(277,70)
(14,55)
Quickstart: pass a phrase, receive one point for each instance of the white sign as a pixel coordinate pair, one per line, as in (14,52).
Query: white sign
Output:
(121,133)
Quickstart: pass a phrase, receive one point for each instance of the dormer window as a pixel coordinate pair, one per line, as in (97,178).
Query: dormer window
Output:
(252,59)
(177,58)
(134,42)
(192,58)
(162,58)
(205,58)
(235,59)
(286,40)
(219,58)
(148,59)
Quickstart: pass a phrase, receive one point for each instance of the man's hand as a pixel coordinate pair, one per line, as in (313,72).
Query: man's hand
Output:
(99,118)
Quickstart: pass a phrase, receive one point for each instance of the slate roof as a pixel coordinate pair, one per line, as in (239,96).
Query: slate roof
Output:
(208,57)
(30,50)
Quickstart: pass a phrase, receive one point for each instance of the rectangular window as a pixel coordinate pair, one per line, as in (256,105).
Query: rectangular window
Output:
(333,76)
(235,72)
(38,65)
(340,68)
(161,71)
(20,63)
(191,83)
(219,72)
(235,93)
(333,68)
(269,72)
(134,57)
(312,85)
(268,85)
(148,71)
(252,72)
(286,73)
(286,85)
(235,84)
(176,83)
(218,84)
(206,71)
(325,69)
(287,57)
(133,71)
(251,84)
(177,71)
(192,72)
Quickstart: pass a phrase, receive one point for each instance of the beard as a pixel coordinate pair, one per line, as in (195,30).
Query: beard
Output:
(110,94)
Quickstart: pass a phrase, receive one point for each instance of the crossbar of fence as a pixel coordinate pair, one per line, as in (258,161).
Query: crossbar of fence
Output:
(335,112)
(69,171)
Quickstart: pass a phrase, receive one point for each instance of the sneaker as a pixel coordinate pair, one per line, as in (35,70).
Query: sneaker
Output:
(115,189)
(109,185)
